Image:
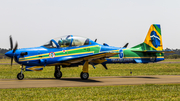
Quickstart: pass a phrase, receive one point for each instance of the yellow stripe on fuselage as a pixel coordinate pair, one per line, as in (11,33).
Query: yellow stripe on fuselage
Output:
(57,56)
(25,59)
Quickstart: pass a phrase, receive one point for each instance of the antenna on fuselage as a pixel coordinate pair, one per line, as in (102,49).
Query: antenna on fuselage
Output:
(95,40)
(125,46)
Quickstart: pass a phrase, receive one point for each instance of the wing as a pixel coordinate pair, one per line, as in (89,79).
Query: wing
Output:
(94,58)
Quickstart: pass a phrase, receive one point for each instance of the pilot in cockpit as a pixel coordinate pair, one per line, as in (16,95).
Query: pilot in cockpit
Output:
(64,43)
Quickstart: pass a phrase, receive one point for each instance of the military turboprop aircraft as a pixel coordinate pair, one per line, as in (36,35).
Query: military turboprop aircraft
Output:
(72,51)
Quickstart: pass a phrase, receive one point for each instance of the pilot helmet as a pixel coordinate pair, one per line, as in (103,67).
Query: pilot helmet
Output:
(60,42)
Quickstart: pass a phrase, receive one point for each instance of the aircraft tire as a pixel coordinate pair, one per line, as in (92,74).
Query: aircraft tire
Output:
(20,77)
(58,75)
(84,76)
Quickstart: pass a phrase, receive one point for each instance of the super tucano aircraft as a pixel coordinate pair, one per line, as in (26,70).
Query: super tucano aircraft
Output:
(72,51)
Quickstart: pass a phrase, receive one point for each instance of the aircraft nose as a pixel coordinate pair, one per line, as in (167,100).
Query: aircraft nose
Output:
(9,53)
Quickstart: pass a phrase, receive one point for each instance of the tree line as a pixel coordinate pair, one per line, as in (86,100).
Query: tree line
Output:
(2,52)
(174,55)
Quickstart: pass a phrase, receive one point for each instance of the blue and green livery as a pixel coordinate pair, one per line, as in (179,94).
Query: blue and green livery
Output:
(72,51)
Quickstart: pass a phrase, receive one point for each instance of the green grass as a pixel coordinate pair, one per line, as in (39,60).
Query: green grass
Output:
(171,60)
(5,61)
(145,92)
(167,92)
(6,72)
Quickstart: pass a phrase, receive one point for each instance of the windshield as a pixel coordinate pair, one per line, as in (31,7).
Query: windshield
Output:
(67,41)
(50,44)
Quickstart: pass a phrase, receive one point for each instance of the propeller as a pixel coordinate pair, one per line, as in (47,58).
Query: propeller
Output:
(11,48)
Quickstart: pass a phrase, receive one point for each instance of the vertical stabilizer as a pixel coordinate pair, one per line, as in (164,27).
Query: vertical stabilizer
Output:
(154,38)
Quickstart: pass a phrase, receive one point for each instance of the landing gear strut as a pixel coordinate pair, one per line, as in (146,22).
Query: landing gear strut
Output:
(20,75)
(57,73)
(84,74)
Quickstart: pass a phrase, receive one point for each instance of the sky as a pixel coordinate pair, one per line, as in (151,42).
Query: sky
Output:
(34,22)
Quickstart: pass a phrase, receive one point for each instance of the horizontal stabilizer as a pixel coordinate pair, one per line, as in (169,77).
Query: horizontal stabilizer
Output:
(153,51)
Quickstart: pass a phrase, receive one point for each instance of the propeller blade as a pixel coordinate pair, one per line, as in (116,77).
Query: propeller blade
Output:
(125,46)
(11,61)
(11,42)
(11,47)
(15,48)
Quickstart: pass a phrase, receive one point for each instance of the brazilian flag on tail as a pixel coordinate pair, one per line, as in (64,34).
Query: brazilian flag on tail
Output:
(153,41)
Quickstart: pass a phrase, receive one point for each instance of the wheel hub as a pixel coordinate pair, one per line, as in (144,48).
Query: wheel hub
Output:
(84,75)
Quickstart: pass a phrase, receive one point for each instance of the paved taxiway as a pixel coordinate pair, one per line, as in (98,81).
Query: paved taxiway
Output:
(93,81)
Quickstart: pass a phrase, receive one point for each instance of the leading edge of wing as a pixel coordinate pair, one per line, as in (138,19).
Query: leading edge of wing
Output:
(75,59)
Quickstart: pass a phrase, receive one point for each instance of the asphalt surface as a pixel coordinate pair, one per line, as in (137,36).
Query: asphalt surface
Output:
(92,81)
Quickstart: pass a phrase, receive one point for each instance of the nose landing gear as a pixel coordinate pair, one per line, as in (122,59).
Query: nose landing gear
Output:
(57,73)
(20,75)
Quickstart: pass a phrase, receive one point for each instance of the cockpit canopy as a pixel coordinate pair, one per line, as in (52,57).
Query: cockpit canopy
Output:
(67,41)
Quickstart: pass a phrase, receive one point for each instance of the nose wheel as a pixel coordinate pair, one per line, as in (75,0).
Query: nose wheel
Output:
(20,76)
(58,75)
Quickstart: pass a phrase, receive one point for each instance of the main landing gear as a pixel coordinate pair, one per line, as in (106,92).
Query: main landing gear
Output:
(57,73)
(20,75)
(84,74)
